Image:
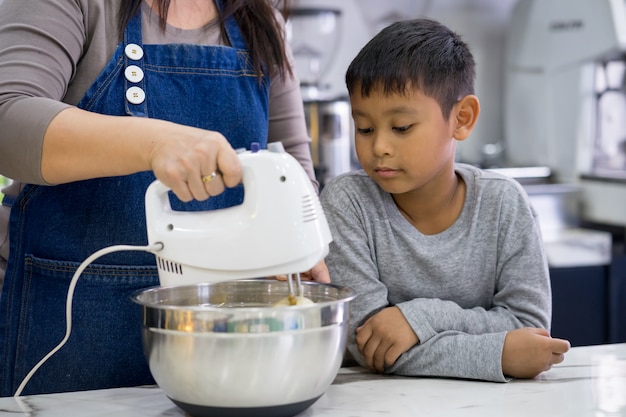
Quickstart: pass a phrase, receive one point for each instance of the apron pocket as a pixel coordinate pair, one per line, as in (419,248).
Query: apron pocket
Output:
(104,349)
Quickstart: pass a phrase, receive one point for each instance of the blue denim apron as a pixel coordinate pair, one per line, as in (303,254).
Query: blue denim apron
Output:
(54,228)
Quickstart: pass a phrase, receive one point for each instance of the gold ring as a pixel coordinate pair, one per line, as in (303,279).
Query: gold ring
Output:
(208,178)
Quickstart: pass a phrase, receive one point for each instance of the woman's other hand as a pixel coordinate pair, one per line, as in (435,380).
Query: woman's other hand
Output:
(319,273)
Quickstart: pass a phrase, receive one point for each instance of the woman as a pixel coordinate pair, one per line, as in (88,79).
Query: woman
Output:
(97,98)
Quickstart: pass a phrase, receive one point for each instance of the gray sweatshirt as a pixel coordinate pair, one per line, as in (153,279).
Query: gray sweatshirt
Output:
(460,290)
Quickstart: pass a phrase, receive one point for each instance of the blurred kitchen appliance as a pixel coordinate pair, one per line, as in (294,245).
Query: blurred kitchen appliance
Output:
(380,14)
(565,108)
(565,105)
(313,34)
(329,123)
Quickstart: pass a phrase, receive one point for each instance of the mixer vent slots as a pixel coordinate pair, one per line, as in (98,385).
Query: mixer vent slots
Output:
(309,208)
(169,266)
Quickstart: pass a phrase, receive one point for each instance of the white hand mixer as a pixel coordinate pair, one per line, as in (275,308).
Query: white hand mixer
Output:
(279,229)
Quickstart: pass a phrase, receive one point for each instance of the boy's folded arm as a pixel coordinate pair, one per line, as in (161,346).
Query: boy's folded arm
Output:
(521,298)
(430,316)
(455,355)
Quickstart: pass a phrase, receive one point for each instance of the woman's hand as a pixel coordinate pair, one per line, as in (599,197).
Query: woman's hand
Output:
(195,163)
(319,273)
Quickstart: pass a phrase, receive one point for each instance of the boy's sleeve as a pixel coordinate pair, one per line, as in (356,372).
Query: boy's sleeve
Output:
(350,261)
(454,354)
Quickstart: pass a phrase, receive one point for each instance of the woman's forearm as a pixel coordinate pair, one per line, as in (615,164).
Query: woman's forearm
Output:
(80,145)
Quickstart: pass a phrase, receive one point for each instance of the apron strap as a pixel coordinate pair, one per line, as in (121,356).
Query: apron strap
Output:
(232,29)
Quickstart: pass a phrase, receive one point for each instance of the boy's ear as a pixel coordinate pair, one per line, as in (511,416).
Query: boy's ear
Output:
(466,113)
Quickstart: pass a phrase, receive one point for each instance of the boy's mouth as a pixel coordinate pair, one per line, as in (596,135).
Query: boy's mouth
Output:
(385,172)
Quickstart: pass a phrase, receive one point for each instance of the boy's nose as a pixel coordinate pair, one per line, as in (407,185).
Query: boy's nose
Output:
(381,145)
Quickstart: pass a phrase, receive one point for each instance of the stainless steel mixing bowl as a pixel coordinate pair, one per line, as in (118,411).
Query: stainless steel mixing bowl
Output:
(222,349)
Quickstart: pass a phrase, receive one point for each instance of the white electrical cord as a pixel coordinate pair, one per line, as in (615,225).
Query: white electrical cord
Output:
(70,296)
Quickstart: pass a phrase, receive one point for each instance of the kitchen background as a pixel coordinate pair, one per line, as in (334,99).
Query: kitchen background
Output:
(550,78)
(482,23)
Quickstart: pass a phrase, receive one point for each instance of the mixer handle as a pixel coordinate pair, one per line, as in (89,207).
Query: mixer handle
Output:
(257,166)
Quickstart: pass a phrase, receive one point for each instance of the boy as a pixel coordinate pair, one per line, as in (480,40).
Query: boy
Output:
(447,260)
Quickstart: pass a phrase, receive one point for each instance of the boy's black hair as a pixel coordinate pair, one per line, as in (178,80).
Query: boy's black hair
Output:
(415,54)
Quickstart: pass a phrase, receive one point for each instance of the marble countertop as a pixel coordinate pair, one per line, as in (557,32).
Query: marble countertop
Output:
(590,382)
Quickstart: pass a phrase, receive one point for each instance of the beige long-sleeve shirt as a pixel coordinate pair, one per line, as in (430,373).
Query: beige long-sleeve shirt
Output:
(50,53)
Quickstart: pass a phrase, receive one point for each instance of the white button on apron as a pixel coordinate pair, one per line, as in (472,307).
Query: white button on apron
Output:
(135,95)
(133,73)
(133,51)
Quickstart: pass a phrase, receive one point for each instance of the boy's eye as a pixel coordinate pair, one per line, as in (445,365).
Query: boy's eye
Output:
(402,129)
(364,131)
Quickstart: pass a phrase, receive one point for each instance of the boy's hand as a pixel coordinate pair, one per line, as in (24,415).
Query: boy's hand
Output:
(384,337)
(528,352)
